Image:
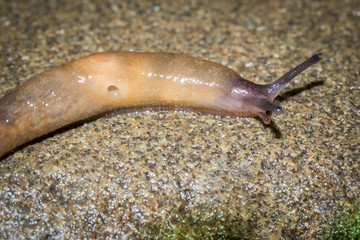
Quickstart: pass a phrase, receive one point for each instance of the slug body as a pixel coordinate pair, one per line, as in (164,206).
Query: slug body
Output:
(104,81)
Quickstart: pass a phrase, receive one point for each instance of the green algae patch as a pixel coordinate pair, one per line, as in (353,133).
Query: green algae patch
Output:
(345,226)
(203,224)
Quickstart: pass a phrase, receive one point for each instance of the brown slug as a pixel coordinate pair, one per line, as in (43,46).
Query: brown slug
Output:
(104,81)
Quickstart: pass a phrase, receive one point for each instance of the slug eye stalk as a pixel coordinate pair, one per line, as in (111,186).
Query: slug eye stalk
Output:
(273,89)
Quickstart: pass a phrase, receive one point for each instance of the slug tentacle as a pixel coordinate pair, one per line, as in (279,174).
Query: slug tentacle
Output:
(273,89)
(265,105)
(264,117)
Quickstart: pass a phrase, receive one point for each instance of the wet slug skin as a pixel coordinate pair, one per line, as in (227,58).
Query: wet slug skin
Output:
(104,81)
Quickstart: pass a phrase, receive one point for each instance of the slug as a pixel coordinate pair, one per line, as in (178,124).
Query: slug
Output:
(104,81)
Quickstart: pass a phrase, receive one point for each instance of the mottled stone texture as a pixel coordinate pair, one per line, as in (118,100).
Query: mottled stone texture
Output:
(180,175)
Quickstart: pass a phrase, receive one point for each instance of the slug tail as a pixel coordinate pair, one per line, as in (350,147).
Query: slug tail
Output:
(6,140)
(273,89)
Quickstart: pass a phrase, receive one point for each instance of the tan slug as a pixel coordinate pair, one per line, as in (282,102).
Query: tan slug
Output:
(113,80)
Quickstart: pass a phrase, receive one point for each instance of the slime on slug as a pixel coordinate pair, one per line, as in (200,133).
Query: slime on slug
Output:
(105,81)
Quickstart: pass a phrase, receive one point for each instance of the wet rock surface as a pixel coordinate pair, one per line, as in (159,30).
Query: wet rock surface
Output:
(180,174)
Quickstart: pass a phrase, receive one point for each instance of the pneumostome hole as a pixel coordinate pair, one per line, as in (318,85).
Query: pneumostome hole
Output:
(113,89)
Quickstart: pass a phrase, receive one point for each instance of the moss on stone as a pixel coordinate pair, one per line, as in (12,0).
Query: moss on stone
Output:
(345,226)
(206,225)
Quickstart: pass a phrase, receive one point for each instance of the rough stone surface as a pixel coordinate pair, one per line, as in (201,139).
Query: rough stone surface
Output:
(147,175)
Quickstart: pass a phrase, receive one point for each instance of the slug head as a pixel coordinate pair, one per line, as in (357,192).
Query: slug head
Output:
(262,98)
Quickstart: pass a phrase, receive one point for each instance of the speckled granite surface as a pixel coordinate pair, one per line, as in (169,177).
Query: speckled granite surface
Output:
(179,174)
